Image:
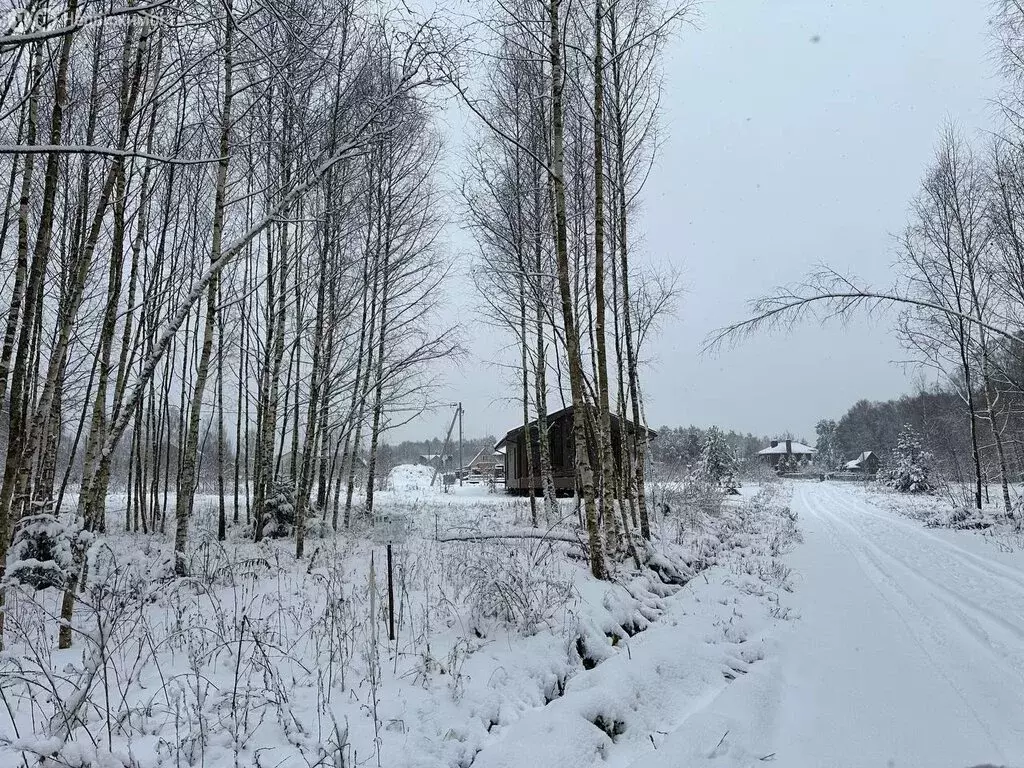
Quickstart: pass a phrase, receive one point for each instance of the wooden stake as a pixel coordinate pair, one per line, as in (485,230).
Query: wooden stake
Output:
(391,597)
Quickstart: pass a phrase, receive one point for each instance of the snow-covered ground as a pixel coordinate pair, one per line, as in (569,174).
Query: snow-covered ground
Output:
(908,651)
(504,651)
(875,642)
(952,506)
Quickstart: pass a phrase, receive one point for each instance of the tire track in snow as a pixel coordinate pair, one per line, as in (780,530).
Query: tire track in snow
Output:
(897,598)
(963,605)
(970,604)
(955,631)
(988,567)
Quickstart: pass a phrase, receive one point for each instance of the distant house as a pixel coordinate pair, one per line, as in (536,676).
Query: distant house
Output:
(779,450)
(486,463)
(435,459)
(561,449)
(868,463)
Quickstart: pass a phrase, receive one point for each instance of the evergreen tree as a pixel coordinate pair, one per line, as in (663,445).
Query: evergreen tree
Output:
(910,471)
(717,463)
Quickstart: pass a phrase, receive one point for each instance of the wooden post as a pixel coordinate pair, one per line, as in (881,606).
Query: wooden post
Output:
(391,597)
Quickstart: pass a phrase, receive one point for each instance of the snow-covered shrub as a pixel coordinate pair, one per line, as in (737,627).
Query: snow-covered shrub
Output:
(962,517)
(786,465)
(714,473)
(280,509)
(702,497)
(756,471)
(518,585)
(665,491)
(910,468)
(41,553)
(280,512)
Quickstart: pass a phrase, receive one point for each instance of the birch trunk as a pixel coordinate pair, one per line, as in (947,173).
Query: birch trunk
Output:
(186,490)
(585,475)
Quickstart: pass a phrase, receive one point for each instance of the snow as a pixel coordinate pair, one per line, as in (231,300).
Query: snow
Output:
(258,658)
(909,652)
(874,642)
(796,448)
(410,477)
(655,680)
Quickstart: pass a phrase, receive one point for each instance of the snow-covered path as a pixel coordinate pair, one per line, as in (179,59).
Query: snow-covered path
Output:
(910,649)
(908,652)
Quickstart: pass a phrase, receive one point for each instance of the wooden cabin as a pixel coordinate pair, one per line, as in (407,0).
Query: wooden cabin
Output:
(867,463)
(562,451)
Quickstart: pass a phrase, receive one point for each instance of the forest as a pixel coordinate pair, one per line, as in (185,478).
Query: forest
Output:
(223,253)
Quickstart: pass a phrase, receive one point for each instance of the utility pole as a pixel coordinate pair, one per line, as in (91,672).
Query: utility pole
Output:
(462,466)
(444,447)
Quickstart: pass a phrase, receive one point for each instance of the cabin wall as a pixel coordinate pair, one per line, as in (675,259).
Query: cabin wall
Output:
(563,460)
(562,465)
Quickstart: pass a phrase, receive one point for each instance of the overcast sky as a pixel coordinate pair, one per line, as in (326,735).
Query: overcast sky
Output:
(795,133)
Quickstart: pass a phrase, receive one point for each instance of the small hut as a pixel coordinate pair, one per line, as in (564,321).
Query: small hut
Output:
(487,464)
(867,463)
(561,449)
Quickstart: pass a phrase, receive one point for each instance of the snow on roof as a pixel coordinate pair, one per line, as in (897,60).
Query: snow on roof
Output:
(856,463)
(797,448)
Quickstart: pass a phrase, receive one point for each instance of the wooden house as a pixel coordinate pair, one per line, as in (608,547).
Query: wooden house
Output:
(867,463)
(436,460)
(561,449)
(487,464)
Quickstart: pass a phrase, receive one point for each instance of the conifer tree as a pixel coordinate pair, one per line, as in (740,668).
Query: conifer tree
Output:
(910,471)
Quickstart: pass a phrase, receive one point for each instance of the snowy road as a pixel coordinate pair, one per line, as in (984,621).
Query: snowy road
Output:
(909,652)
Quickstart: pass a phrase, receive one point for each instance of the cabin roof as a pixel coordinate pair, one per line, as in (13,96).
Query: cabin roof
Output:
(564,413)
(485,454)
(859,461)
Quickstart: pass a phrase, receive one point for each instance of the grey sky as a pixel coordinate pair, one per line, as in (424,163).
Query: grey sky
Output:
(779,153)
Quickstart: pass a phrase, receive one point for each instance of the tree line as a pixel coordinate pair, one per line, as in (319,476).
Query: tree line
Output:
(940,417)
(681,448)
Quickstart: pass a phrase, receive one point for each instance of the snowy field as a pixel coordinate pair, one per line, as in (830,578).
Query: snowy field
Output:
(802,625)
(505,652)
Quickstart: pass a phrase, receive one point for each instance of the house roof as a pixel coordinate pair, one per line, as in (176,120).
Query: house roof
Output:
(797,448)
(856,463)
(435,456)
(555,416)
(485,454)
